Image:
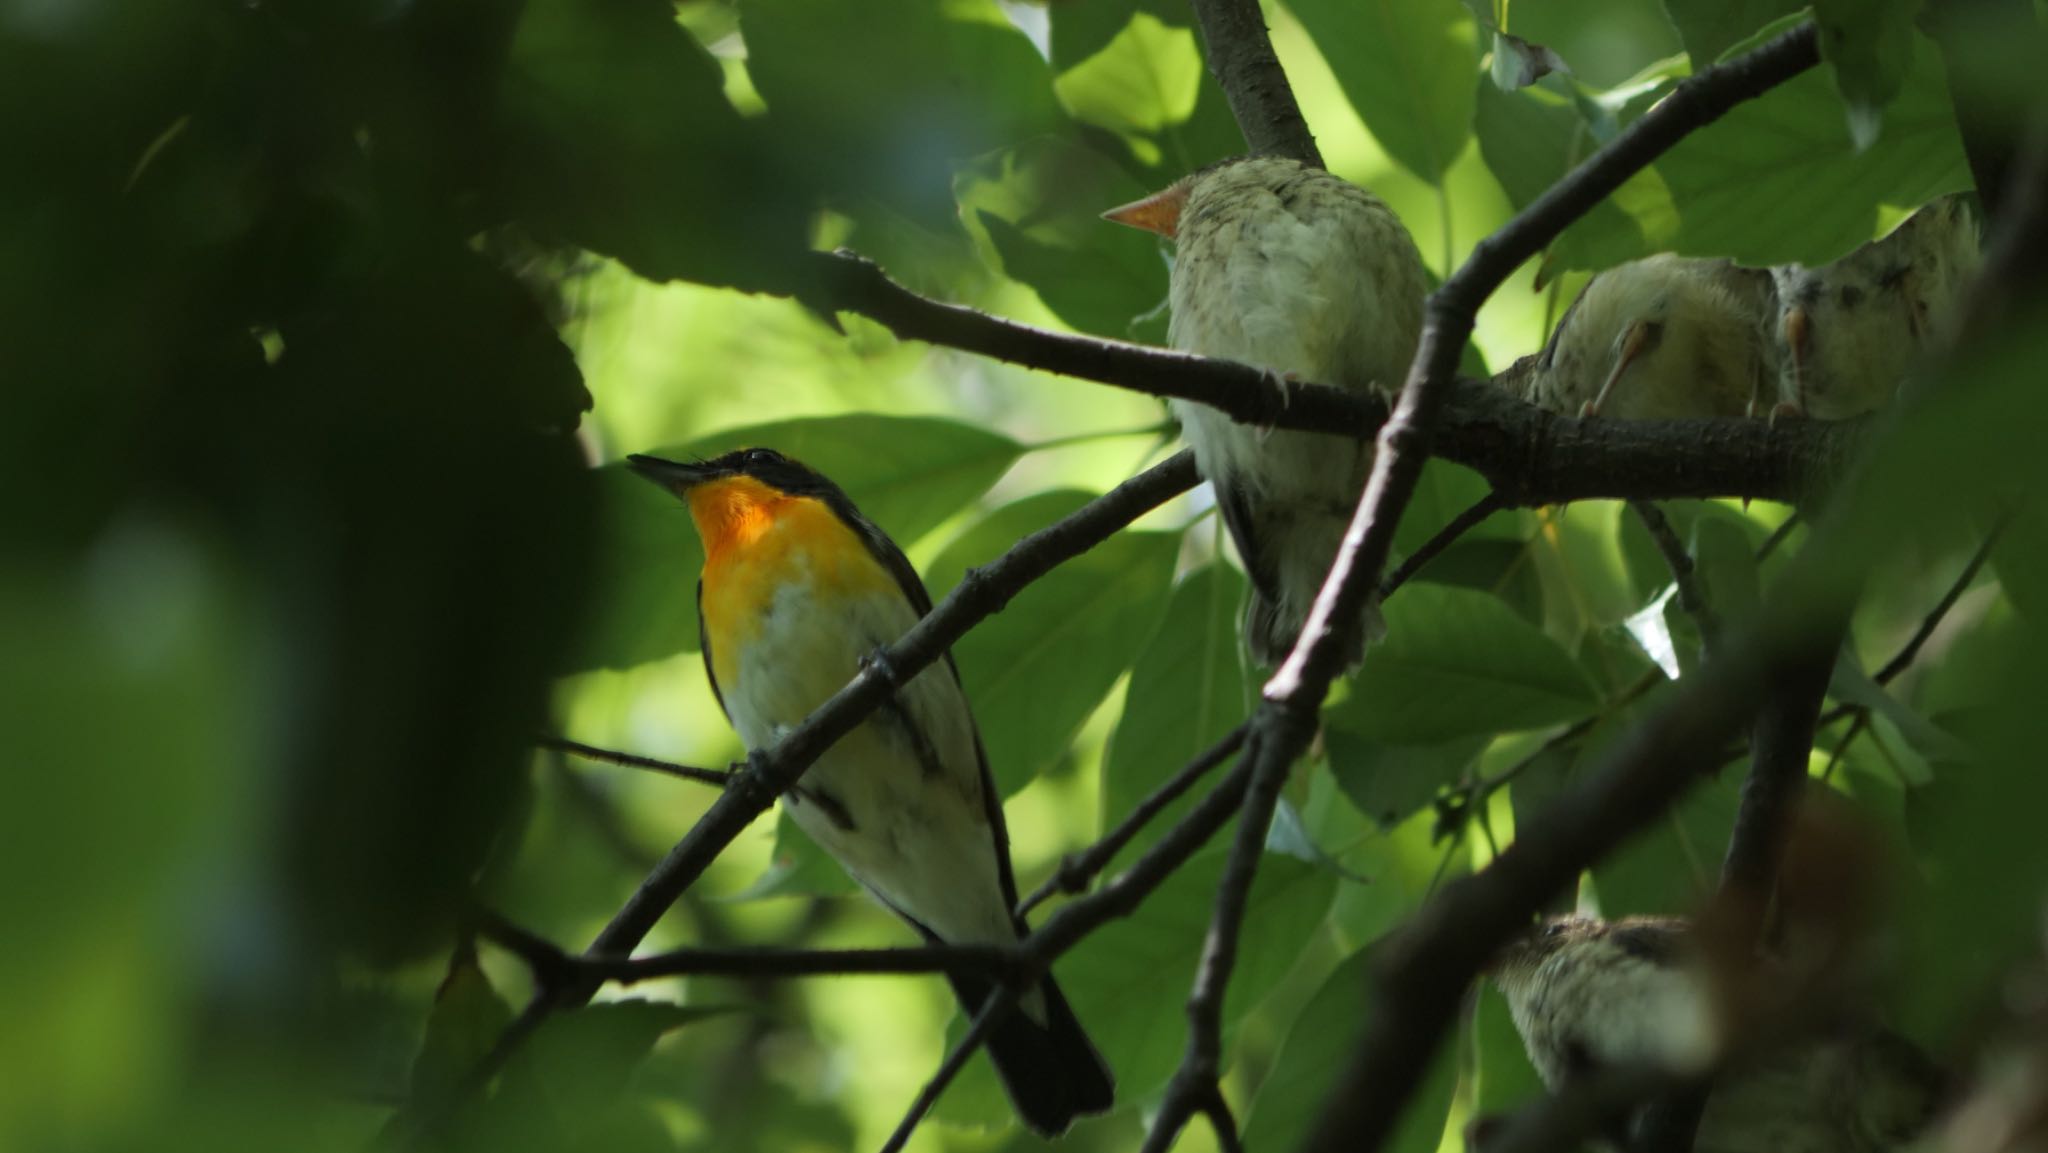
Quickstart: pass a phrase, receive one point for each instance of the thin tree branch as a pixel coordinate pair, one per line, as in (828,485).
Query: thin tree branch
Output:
(1197,1082)
(552,964)
(1445,537)
(713,777)
(1530,456)
(1002,1001)
(749,793)
(1076,870)
(1421,1002)
(1690,598)
(1240,56)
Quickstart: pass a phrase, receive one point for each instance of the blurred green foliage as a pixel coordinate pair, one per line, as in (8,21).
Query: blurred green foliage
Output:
(327,323)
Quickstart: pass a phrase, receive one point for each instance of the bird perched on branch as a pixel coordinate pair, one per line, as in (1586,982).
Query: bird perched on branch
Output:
(1293,270)
(1850,330)
(1590,995)
(1662,338)
(798,592)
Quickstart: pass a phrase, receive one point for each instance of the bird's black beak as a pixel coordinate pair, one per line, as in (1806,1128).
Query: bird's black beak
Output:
(674,476)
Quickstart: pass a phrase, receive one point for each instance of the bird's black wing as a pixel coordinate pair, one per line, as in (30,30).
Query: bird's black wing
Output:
(1239,518)
(704,644)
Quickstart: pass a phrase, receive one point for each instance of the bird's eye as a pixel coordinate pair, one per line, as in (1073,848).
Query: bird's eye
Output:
(1553,931)
(760,456)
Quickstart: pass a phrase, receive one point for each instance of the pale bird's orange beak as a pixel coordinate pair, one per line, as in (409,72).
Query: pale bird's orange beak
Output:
(1632,346)
(1159,212)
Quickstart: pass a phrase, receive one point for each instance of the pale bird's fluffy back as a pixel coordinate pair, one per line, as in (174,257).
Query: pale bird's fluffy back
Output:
(1662,338)
(1309,277)
(1849,331)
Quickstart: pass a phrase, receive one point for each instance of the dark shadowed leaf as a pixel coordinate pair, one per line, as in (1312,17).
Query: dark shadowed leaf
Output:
(467,1017)
(1518,63)
(1460,663)
(1314,1056)
(621,141)
(1870,44)
(1389,782)
(798,867)
(1129,981)
(1709,28)
(1408,67)
(1530,138)
(1187,690)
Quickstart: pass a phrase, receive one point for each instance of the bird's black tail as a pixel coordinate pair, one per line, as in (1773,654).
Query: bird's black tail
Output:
(1051,1071)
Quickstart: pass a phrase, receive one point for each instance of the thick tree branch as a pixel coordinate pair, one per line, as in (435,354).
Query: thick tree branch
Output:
(1421,1002)
(980,594)
(714,777)
(1241,58)
(1530,456)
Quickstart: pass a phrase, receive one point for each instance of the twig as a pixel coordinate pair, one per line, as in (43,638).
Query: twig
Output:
(1929,624)
(1240,56)
(749,793)
(713,777)
(1456,933)
(1530,456)
(551,963)
(1446,536)
(1076,870)
(1196,1083)
(1778,536)
(1683,572)
(1002,1001)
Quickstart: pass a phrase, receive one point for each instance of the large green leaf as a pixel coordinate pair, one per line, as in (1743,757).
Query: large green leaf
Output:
(1709,28)
(1408,67)
(1037,670)
(1389,782)
(1458,663)
(1870,44)
(887,96)
(1675,863)
(1529,139)
(907,474)
(620,140)
(1041,205)
(1187,690)
(467,1017)
(1779,179)
(1129,980)
(1313,1056)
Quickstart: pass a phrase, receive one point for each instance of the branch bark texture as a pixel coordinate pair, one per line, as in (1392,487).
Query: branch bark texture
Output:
(1240,57)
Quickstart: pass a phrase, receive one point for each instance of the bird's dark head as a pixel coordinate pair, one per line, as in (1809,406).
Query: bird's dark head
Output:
(762,466)
(1522,956)
(734,495)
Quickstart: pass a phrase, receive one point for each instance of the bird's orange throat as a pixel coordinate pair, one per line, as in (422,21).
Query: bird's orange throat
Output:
(732,514)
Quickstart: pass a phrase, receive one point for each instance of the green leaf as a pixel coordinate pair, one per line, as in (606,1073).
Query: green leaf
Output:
(887,97)
(1408,67)
(1444,491)
(797,867)
(1186,692)
(467,1017)
(1038,669)
(1460,663)
(1041,205)
(1724,560)
(1390,782)
(620,140)
(1778,179)
(1675,863)
(590,1055)
(1708,28)
(1129,980)
(1314,1055)
(1081,30)
(1870,44)
(1529,139)
(1142,81)
(907,474)
(1506,1078)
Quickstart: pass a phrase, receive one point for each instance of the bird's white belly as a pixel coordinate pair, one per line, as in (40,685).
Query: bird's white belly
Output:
(912,831)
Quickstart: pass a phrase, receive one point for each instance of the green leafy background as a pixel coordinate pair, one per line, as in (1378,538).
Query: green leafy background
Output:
(329,327)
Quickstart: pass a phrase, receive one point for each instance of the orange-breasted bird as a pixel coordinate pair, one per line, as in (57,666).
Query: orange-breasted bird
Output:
(798,590)
(1310,277)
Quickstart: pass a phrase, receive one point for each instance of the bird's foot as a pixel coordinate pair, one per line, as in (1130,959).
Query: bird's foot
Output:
(1785,409)
(878,663)
(1284,383)
(1589,409)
